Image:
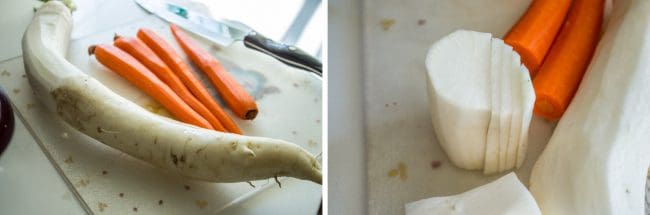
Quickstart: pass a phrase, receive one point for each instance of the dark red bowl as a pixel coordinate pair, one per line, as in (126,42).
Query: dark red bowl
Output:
(6,121)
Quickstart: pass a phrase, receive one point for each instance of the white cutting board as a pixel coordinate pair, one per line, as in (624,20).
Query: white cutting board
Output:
(397,35)
(110,182)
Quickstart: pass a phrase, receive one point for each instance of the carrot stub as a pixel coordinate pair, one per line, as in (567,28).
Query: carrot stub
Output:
(235,96)
(137,74)
(183,71)
(146,56)
(536,30)
(560,75)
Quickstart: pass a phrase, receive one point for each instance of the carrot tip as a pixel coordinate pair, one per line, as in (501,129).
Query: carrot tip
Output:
(91,49)
(251,114)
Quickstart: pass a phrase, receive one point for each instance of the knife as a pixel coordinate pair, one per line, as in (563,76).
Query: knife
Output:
(225,32)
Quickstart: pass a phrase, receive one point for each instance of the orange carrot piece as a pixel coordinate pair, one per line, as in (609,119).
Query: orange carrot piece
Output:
(146,56)
(239,101)
(536,30)
(560,75)
(176,64)
(133,71)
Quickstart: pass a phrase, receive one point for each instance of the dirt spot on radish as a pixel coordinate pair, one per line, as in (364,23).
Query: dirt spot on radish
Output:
(104,172)
(160,202)
(386,24)
(5,73)
(400,171)
(174,158)
(294,132)
(187,187)
(29,106)
(158,109)
(201,203)
(135,209)
(121,195)
(201,149)
(102,206)
(16,91)
(421,22)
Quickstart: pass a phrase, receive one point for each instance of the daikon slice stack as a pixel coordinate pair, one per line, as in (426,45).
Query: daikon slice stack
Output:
(505,195)
(458,73)
(492,141)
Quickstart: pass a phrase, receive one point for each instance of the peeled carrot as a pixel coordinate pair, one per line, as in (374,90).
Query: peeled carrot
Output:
(183,71)
(133,71)
(560,75)
(536,30)
(239,101)
(146,56)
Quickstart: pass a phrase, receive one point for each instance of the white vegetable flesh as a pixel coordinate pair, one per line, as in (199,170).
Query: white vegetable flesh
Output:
(478,109)
(527,103)
(515,121)
(492,139)
(87,105)
(459,100)
(505,76)
(596,161)
(506,195)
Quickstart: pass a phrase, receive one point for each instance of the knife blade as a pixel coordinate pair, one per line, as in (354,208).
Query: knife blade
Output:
(225,32)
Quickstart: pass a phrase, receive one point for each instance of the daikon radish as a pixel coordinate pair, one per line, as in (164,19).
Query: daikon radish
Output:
(504,196)
(596,161)
(472,79)
(458,69)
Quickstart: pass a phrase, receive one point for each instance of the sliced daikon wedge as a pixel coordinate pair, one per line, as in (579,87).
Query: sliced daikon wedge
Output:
(458,73)
(505,195)
(506,104)
(492,141)
(515,121)
(528,100)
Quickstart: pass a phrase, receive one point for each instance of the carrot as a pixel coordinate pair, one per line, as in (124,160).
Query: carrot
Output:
(136,48)
(176,64)
(535,31)
(566,63)
(133,71)
(239,101)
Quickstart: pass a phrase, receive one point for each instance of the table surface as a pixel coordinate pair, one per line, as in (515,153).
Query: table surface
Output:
(27,178)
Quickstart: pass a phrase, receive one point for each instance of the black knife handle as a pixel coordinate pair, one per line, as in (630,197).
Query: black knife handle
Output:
(287,54)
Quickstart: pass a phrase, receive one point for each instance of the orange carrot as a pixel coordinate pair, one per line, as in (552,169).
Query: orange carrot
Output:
(176,64)
(239,101)
(536,30)
(133,71)
(146,56)
(562,71)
